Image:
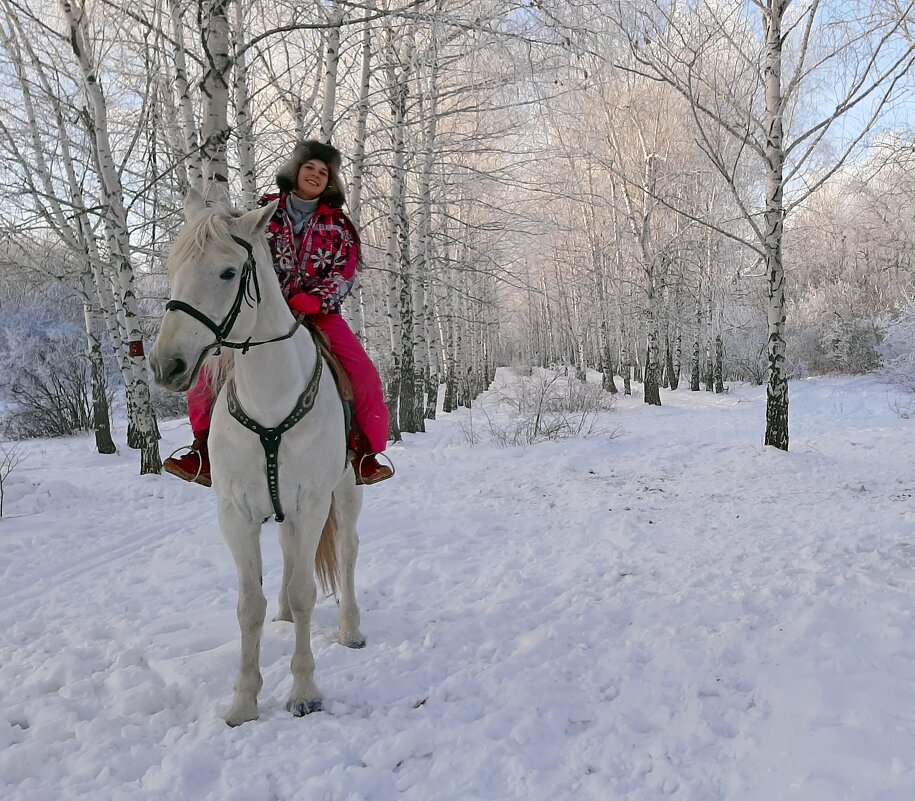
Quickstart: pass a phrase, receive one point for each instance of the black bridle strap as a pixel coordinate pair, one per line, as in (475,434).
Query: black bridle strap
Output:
(270,437)
(243,346)
(221,330)
(246,283)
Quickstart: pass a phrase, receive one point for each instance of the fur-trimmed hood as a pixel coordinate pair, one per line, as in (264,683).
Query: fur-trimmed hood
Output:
(334,195)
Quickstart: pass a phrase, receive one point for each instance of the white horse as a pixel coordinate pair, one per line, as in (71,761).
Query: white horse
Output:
(277,442)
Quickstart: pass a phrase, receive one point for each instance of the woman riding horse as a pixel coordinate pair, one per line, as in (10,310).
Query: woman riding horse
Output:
(316,252)
(276,438)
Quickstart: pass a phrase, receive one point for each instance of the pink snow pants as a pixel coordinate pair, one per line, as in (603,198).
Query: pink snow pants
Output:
(370,409)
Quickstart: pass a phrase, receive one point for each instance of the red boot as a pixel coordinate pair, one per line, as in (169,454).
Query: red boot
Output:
(367,468)
(195,464)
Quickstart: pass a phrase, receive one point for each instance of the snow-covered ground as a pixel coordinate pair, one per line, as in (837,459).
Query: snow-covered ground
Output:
(673,612)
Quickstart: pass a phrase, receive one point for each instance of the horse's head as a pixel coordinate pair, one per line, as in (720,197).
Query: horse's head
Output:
(214,287)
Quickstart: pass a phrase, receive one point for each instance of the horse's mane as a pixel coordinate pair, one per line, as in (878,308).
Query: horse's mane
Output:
(219,368)
(208,226)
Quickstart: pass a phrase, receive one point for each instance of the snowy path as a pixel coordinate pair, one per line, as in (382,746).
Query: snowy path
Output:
(630,618)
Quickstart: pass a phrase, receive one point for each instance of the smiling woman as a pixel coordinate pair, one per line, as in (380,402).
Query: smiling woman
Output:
(311,180)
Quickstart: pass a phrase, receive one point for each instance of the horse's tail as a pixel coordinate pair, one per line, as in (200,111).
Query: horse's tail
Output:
(326,557)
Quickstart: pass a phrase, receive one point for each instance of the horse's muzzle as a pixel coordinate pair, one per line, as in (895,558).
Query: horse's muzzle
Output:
(173,372)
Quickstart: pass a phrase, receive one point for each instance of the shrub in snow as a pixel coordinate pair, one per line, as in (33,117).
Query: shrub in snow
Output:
(897,350)
(10,457)
(45,377)
(167,405)
(830,334)
(744,333)
(747,360)
(544,406)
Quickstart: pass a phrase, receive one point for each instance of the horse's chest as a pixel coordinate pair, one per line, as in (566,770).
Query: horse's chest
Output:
(241,475)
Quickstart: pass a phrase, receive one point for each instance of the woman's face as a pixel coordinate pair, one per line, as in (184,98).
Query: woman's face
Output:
(312,179)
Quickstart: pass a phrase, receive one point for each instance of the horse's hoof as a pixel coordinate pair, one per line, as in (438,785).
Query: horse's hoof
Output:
(353,642)
(235,717)
(284,616)
(302,708)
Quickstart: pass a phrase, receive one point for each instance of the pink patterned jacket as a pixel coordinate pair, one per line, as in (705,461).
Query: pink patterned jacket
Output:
(325,262)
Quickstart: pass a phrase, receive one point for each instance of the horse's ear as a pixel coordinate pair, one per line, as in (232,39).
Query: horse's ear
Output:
(254,222)
(194,204)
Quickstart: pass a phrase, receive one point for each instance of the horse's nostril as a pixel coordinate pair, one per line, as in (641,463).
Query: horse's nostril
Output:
(179,367)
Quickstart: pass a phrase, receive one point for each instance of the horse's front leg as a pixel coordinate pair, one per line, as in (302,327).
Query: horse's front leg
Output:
(243,538)
(287,537)
(301,593)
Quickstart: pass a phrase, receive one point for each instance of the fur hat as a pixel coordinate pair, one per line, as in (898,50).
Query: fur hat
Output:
(307,150)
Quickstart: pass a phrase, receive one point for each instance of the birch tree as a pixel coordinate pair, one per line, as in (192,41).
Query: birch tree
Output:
(398,53)
(213,20)
(190,159)
(117,235)
(331,63)
(73,229)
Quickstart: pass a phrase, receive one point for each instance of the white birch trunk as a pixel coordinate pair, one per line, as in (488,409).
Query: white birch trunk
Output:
(244,132)
(694,368)
(433,370)
(426,379)
(115,221)
(626,340)
(398,74)
(331,62)
(465,342)
(101,421)
(709,345)
(598,271)
(777,389)
(394,280)
(719,363)
(427,370)
(446,335)
(678,356)
(191,155)
(214,87)
(357,303)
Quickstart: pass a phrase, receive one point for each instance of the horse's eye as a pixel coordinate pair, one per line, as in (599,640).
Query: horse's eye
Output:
(228,274)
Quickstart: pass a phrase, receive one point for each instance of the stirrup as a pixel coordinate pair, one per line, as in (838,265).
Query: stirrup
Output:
(358,469)
(189,449)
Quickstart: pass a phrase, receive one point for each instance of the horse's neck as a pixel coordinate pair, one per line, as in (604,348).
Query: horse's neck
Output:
(270,378)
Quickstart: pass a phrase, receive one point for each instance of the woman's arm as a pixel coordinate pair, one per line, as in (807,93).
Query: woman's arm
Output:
(331,271)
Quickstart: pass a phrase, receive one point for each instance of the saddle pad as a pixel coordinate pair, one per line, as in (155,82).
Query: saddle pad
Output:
(344,385)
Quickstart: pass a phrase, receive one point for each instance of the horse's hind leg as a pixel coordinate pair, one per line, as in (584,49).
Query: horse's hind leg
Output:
(348,502)
(244,542)
(301,593)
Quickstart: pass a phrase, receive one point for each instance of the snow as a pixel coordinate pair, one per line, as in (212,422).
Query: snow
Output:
(674,611)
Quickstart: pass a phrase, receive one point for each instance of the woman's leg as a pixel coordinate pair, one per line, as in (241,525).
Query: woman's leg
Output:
(195,464)
(200,404)
(370,409)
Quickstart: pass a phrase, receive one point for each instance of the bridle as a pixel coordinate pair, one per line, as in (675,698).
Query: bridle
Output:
(249,292)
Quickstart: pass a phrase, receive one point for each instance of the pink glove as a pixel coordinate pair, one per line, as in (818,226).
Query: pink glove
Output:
(303,303)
